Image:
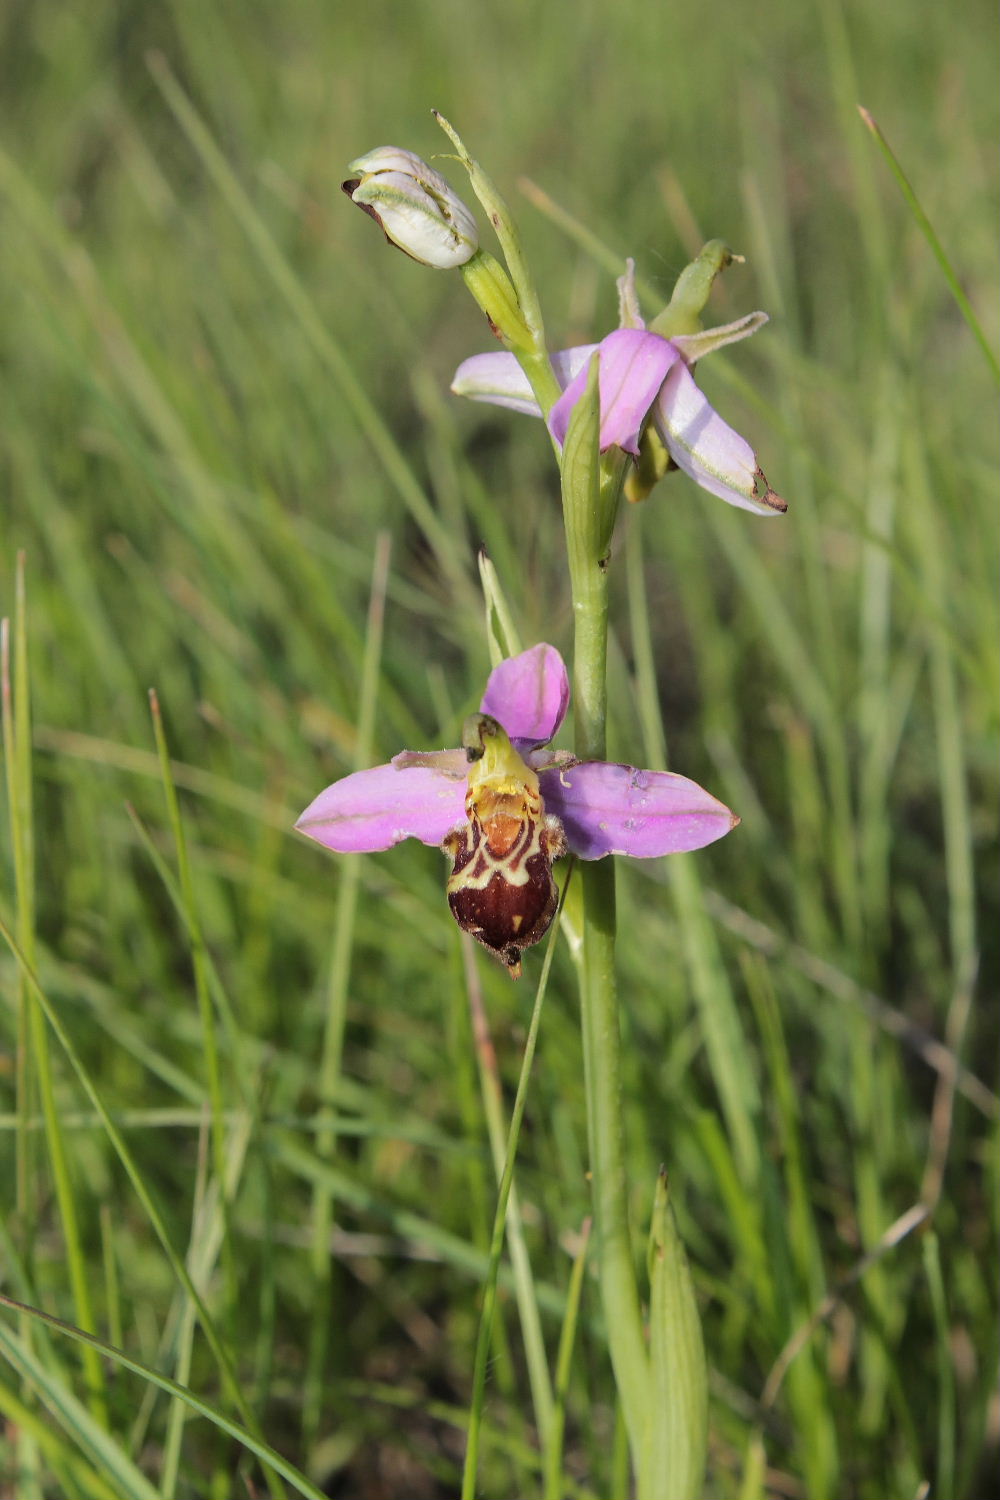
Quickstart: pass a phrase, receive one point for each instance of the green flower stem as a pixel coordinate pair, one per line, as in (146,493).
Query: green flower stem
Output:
(606,1141)
(538,368)
(489,283)
(491,287)
(591,491)
(509,299)
(502,220)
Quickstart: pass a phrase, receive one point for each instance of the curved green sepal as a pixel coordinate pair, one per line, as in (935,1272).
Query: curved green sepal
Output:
(682,313)
(651,465)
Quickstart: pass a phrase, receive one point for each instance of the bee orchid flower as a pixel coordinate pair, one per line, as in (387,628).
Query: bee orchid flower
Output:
(504,807)
(645,380)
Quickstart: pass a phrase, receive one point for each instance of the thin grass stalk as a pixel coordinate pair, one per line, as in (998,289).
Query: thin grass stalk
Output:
(488,1312)
(153,1214)
(206,1011)
(937,249)
(524,1283)
(322,1210)
(564,1370)
(170,1466)
(112,1284)
(480,1182)
(947,1408)
(35,1063)
(17,765)
(27,1446)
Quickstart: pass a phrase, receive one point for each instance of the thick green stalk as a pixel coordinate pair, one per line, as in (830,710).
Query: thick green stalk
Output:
(590,500)
(602,1071)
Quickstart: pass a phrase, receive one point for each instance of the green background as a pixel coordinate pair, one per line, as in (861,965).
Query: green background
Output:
(220,392)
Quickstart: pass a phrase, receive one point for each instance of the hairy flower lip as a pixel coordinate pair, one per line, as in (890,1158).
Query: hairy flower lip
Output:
(605,807)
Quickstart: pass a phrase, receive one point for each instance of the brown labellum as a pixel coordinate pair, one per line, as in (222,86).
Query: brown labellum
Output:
(501,889)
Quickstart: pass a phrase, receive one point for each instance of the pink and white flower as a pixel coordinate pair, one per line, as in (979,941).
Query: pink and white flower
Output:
(643,378)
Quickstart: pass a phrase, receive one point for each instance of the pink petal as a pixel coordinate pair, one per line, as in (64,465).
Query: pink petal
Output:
(614,809)
(499,379)
(529,694)
(633,364)
(700,443)
(378,808)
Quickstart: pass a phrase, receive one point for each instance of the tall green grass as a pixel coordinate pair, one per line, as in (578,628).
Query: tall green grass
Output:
(251,1130)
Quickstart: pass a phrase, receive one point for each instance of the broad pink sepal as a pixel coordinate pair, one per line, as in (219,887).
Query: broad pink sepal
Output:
(614,809)
(375,809)
(498,378)
(707,448)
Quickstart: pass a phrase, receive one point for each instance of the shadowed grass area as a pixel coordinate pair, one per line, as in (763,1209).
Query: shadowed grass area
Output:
(232,465)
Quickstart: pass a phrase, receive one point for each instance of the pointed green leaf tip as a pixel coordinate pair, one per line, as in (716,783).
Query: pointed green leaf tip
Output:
(588,532)
(677,1414)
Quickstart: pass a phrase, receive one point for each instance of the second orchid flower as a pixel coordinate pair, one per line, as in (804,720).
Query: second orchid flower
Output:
(504,807)
(645,380)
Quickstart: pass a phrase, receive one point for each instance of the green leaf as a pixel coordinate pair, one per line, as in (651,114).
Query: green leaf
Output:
(677,1424)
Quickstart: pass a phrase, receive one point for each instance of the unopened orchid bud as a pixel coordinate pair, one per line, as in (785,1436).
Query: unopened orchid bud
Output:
(415,207)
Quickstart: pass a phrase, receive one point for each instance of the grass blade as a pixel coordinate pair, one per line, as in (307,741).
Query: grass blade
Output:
(927,230)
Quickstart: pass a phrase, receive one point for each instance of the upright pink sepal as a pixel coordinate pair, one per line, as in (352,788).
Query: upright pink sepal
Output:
(529,694)
(633,365)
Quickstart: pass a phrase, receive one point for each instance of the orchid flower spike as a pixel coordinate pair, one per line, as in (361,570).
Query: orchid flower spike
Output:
(416,208)
(644,379)
(504,807)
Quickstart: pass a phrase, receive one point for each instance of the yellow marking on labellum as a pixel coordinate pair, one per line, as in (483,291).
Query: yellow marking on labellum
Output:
(501,889)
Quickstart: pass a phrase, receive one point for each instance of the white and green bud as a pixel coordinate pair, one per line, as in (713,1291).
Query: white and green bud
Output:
(416,208)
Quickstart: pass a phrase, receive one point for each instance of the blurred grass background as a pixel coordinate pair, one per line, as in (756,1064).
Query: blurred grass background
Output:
(227,446)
